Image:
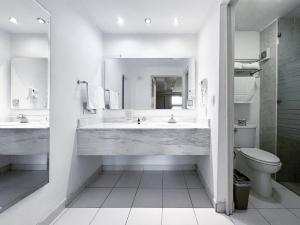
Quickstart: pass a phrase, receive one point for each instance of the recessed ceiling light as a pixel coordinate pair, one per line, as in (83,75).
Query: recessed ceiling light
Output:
(41,20)
(120,21)
(176,21)
(147,20)
(12,20)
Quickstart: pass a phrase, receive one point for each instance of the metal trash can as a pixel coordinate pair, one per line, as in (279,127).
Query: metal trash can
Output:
(241,190)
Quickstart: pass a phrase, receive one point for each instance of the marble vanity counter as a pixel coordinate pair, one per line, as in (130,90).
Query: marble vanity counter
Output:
(18,125)
(23,138)
(143,139)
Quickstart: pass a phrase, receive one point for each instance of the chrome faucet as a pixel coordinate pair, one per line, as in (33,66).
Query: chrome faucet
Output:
(22,118)
(172,120)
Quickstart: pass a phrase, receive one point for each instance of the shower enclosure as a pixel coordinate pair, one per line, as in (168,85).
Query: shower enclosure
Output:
(288,100)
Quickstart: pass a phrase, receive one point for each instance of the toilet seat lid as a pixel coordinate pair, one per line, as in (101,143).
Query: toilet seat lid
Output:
(260,155)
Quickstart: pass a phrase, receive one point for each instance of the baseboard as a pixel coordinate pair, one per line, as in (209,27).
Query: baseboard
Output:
(53,214)
(149,167)
(218,206)
(74,194)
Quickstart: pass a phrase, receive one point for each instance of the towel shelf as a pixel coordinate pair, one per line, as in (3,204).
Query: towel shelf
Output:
(243,72)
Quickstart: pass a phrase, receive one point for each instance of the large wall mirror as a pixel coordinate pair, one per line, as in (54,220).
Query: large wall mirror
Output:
(151,83)
(24,99)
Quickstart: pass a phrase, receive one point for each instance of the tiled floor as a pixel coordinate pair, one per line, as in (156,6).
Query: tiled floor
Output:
(15,185)
(293,186)
(169,198)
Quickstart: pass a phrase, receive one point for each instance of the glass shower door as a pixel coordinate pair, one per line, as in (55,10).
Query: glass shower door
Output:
(288,104)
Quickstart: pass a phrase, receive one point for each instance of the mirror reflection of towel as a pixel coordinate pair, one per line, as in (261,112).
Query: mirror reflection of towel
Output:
(114,100)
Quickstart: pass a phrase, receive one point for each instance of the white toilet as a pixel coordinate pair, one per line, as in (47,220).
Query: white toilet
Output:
(261,164)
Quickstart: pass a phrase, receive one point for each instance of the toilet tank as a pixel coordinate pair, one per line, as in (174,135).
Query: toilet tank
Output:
(244,136)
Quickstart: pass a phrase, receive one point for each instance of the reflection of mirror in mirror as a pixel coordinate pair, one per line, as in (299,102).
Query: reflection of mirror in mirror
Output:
(150,83)
(167,92)
(24,100)
(29,83)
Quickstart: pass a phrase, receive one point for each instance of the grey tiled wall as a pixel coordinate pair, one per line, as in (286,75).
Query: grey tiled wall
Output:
(268,86)
(288,126)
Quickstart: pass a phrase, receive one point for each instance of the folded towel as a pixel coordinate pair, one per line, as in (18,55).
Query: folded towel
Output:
(114,100)
(254,66)
(95,97)
(238,65)
(244,89)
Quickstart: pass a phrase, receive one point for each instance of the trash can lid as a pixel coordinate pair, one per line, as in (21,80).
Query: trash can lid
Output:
(240,178)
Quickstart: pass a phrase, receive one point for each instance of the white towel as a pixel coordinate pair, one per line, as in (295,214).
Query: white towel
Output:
(244,89)
(254,66)
(114,100)
(95,97)
(238,65)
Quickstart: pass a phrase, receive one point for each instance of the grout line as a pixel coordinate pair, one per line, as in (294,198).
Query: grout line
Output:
(141,176)
(59,216)
(112,188)
(263,216)
(293,213)
(190,199)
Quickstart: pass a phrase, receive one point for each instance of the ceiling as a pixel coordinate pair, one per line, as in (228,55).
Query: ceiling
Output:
(26,12)
(255,15)
(190,13)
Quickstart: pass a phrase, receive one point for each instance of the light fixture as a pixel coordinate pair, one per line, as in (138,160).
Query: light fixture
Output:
(147,20)
(41,20)
(176,21)
(120,21)
(12,20)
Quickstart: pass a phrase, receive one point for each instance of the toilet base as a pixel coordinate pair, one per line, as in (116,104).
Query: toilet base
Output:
(261,183)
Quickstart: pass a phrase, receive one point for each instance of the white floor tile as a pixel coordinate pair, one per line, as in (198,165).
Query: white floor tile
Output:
(286,197)
(296,212)
(111,216)
(90,198)
(105,180)
(142,216)
(176,198)
(248,217)
(129,180)
(112,172)
(199,198)
(210,217)
(280,217)
(151,180)
(76,217)
(120,198)
(264,203)
(178,216)
(173,181)
(193,181)
(148,198)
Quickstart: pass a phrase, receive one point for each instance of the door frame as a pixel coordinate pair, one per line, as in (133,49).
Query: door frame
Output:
(227,31)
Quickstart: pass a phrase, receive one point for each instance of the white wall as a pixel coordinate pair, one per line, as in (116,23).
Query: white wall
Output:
(4,83)
(247,46)
(76,51)
(208,67)
(5,55)
(150,45)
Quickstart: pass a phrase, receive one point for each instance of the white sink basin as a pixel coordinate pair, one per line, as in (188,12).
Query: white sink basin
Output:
(24,125)
(146,125)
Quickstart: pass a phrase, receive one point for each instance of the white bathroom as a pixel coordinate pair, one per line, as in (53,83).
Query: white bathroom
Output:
(141,112)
